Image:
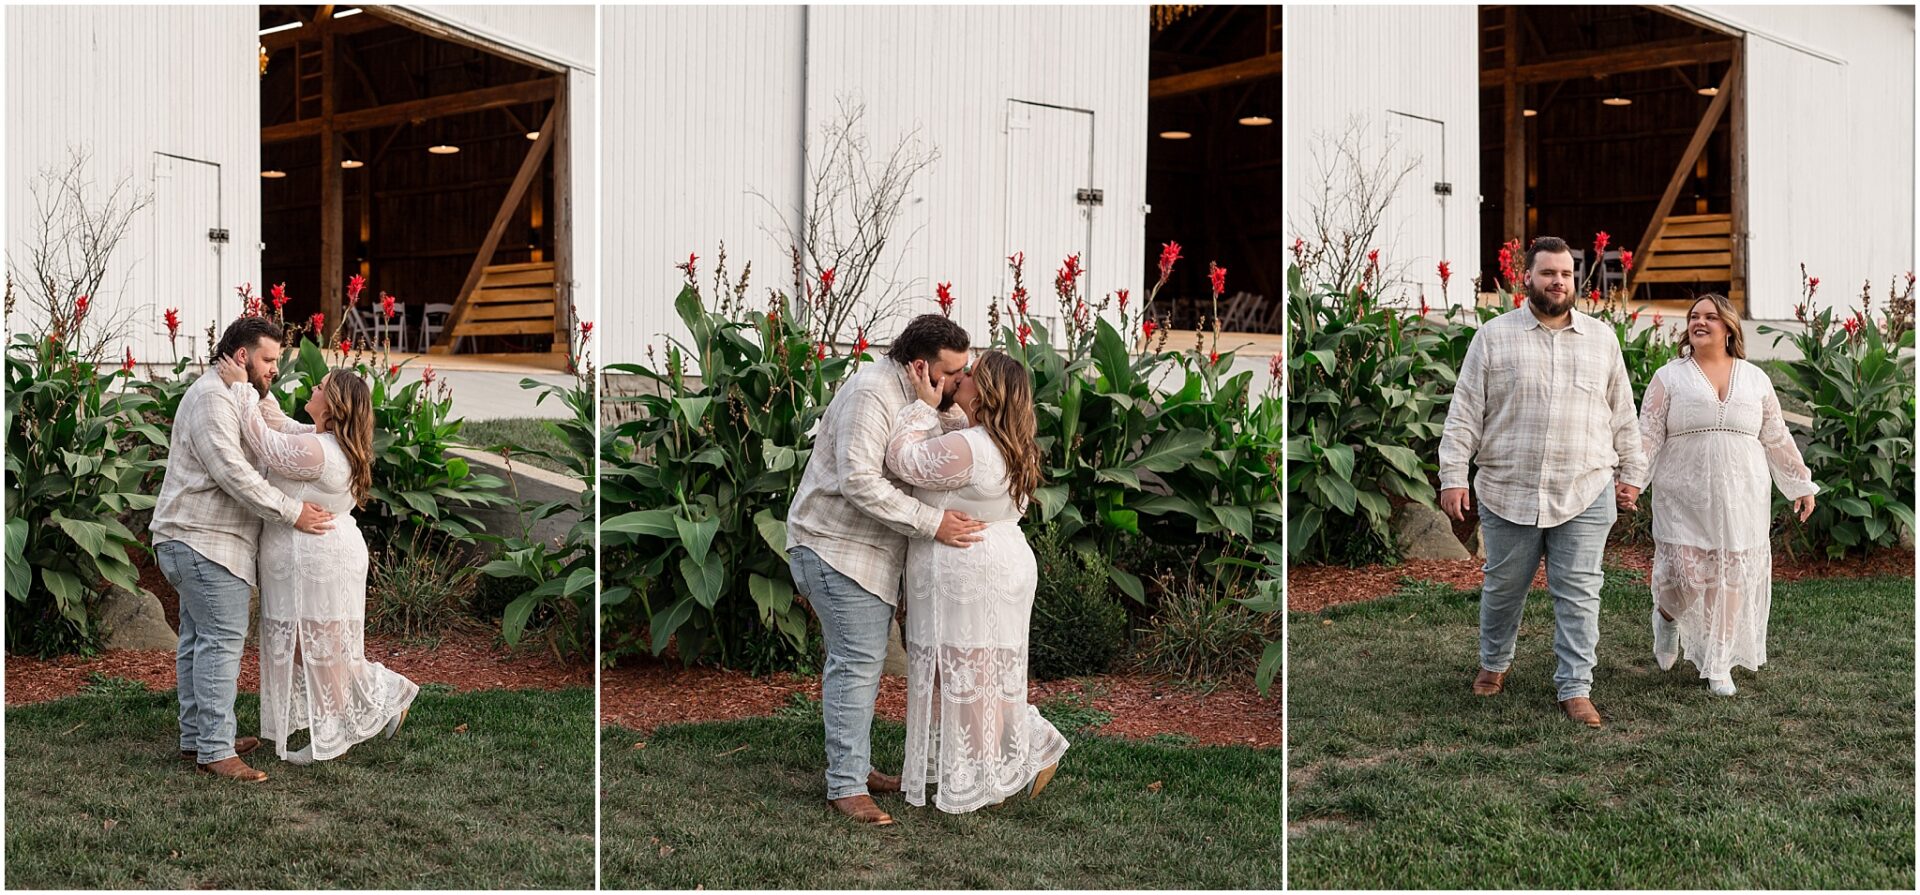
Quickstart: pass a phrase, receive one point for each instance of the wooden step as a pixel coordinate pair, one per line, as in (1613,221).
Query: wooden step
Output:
(1701,244)
(517,278)
(510,294)
(506,328)
(515,311)
(1707,260)
(1700,228)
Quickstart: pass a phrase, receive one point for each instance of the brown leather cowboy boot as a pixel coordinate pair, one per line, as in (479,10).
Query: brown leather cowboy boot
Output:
(862,810)
(234,768)
(878,782)
(241,746)
(1489,683)
(1581,709)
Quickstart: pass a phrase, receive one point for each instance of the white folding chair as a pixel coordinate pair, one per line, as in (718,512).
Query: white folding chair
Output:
(434,322)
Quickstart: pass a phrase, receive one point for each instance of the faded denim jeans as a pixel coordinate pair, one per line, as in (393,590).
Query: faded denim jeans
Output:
(854,623)
(213,633)
(1573,550)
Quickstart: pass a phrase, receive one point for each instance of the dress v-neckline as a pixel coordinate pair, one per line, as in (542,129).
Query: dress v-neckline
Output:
(1732,371)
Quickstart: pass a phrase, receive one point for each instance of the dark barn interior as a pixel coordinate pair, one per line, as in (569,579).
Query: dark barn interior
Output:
(439,185)
(1216,79)
(1621,119)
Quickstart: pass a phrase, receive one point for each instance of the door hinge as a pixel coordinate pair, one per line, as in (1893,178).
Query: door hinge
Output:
(1089,196)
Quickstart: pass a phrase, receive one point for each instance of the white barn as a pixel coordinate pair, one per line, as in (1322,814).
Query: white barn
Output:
(1810,160)
(708,106)
(170,98)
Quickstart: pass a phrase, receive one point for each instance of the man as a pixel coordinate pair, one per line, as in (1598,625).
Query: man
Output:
(205,527)
(847,544)
(1543,406)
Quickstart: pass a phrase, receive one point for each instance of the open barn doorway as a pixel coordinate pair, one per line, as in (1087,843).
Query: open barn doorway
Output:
(1213,163)
(1623,120)
(424,160)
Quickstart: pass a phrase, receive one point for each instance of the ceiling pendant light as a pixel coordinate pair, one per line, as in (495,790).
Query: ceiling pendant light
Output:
(273,174)
(1175,135)
(1256,121)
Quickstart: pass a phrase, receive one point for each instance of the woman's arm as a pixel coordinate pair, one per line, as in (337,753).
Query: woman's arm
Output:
(1653,428)
(297,457)
(919,454)
(1790,472)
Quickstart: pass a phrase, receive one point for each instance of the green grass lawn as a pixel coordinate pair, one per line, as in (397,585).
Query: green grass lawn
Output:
(1401,779)
(98,798)
(519,434)
(740,804)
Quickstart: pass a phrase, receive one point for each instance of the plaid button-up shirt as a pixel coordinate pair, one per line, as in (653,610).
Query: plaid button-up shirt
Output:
(213,494)
(1546,414)
(850,509)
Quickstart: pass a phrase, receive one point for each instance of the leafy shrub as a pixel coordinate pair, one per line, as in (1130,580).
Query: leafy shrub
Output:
(422,590)
(1856,377)
(1205,630)
(1077,627)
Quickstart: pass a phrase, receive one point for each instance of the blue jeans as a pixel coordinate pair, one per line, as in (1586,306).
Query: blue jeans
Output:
(1573,550)
(213,632)
(854,623)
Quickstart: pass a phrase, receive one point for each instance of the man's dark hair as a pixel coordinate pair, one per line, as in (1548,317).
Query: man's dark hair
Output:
(925,337)
(247,332)
(1546,245)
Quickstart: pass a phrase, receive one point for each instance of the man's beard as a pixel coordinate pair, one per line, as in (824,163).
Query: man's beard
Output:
(260,384)
(946,401)
(1544,304)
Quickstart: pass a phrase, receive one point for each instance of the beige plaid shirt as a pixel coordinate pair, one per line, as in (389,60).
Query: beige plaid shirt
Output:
(850,509)
(214,495)
(1546,414)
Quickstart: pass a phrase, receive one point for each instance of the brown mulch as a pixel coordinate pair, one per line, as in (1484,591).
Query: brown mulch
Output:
(645,695)
(465,660)
(1313,588)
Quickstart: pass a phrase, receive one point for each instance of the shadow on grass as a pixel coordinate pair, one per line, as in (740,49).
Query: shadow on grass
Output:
(98,798)
(1402,779)
(739,804)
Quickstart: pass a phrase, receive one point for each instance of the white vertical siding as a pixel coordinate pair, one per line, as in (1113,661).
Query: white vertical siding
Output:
(703,108)
(126,82)
(1348,64)
(707,105)
(1830,154)
(562,34)
(583,124)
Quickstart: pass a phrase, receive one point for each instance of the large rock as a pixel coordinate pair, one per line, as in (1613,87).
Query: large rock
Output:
(136,620)
(1421,532)
(1477,543)
(896,652)
(1906,538)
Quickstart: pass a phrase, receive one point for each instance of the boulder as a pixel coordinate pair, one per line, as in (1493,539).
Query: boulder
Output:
(896,652)
(1477,543)
(136,620)
(1421,532)
(1906,538)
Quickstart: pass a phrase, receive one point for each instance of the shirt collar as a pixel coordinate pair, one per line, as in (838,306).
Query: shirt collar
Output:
(1579,323)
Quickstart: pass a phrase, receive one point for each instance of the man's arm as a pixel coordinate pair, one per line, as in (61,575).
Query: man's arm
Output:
(216,439)
(1466,413)
(861,446)
(1626,426)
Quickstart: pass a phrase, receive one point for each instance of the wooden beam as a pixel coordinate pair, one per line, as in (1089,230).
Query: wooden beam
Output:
(1639,57)
(1244,71)
(1737,184)
(420,109)
(500,220)
(561,220)
(332,215)
(284,40)
(1514,195)
(1643,253)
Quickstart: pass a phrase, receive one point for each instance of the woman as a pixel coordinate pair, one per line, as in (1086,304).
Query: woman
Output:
(314,673)
(1712,431)
(968,608)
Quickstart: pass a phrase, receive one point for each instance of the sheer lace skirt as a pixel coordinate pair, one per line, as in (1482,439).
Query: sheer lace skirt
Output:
(1720,600)
(970,732)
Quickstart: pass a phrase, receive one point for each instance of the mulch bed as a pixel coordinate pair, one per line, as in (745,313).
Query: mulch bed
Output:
(644,695)
(464,660)
(1313,588)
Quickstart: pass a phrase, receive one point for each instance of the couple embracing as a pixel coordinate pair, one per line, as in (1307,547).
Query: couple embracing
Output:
(922,468)
(1544,408)
(252,498)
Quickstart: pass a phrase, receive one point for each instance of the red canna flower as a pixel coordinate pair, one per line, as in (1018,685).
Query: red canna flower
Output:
(1064,278)
(1169,253)
(1146,328)
(1813,285)
(1600,241)
(1626,260)
(279,291)
(128,365)
(773,316)
(1519,299)
(826,280)
(1123,300)
(944,295)
(1446,275)
(1593,297)
(1852,326)
(318,321)
(173,322)
(1509,253)
(1213,357)
(1020,299)
(1218,276)
(1423,306)
(1373,258)
(1299,249)
(1633,317)
(1025,333)
(586,330)
(820,351)
(426,375)
(692,259)
(393,370)
(355,283)
(860,340)
(80,307)
(1656,320)
(1273,365)
(386,305)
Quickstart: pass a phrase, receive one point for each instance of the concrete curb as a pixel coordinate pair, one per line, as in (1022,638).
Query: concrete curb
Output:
(524,470)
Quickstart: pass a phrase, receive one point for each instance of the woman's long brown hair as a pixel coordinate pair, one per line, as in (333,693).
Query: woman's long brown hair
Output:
(1005,410)
(350,418)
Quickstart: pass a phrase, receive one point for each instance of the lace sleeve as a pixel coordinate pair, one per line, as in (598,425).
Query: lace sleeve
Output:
(1653,427)
(296,456)
(1790,472)
(278,421)
(919,454)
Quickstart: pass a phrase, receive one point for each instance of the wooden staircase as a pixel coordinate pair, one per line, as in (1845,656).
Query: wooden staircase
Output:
(512,300)
(1693,249)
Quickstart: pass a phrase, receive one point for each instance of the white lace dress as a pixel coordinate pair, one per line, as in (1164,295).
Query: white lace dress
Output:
(968,613)
(1712,463)
(314,673)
